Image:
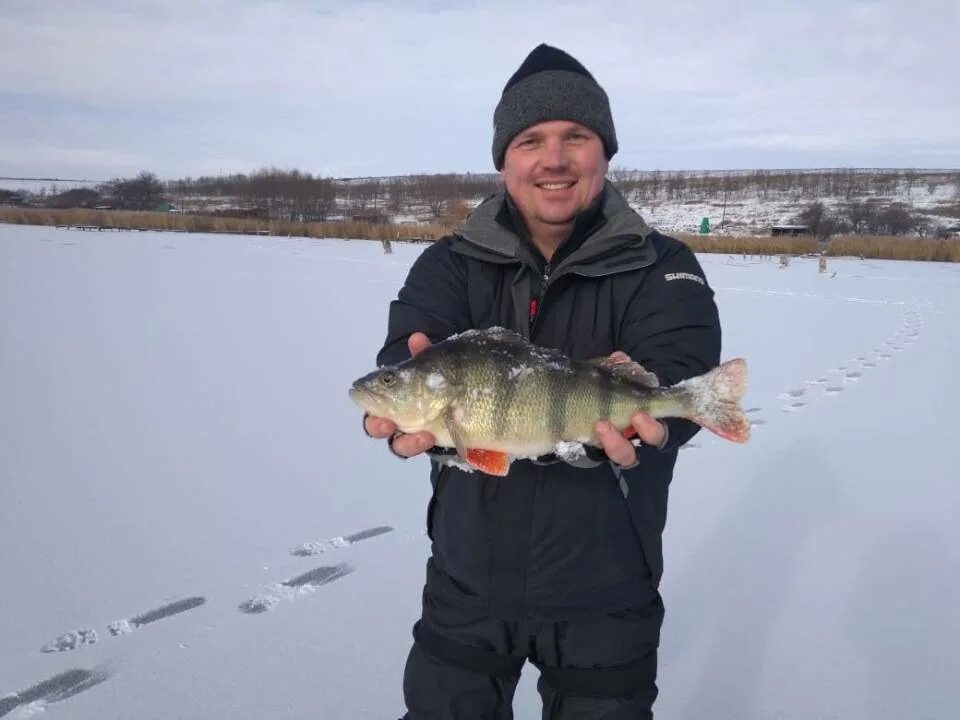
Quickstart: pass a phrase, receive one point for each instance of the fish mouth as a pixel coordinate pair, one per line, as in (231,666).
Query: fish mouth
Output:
(360,396)
(368,400)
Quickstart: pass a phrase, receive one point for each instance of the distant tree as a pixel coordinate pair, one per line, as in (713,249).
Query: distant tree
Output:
(396,194)
(76,198)
(10,197)
(435,191)
(369,195)
(623,180)
(144,192)
(861,216)
(897,220)
(821,221)
(812,215)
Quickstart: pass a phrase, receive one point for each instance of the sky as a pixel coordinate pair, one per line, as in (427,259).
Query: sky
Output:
(108,88)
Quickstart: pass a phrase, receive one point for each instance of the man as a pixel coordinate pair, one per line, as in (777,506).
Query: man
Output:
(556,564)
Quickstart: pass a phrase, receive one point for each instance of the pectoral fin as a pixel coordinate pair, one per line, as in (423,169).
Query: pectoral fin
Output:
(450,422)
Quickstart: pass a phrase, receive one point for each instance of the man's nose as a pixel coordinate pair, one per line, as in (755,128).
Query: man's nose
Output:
(555,154)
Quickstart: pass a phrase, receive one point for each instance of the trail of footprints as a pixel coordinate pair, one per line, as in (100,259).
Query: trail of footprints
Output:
(62,686)
(839,378)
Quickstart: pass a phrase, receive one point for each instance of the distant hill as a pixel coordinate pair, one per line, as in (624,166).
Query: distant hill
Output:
(734,202)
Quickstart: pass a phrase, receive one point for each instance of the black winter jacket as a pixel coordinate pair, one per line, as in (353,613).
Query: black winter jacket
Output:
(554,541)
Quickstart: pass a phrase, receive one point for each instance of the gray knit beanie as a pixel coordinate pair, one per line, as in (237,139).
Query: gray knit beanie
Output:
(551,85)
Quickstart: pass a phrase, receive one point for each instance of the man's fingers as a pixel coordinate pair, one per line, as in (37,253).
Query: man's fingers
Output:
(413,444)
(619,357)
(615,445)
(379,427)
(649,430)
(417,343)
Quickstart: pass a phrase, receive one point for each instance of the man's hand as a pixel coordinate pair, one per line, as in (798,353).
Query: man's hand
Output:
(615,445)
(378,427)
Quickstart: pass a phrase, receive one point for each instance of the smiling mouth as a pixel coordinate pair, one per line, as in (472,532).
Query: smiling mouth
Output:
(557,185)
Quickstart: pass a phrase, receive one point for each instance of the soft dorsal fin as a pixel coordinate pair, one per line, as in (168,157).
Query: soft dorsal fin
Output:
(630,371)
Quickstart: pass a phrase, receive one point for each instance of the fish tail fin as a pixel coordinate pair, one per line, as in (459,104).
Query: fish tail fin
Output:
(718,394)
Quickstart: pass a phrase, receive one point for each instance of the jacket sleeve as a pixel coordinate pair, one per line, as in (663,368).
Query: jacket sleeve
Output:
(671,325)
(433,300)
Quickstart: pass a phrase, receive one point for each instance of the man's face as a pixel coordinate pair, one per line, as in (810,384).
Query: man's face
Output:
(553,170)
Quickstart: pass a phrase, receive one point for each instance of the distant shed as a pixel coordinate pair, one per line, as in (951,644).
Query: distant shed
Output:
(789,230)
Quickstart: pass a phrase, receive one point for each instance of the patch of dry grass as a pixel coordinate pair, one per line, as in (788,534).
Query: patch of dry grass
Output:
(750,245)
(117,219)
(893,248)
(896,248)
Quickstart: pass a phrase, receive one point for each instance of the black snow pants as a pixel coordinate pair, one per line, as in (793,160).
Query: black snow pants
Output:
(465,666)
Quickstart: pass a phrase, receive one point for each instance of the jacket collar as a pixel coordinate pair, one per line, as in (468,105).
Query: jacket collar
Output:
(495,232)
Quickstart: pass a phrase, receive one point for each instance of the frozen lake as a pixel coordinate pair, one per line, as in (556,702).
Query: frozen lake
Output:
(193,525)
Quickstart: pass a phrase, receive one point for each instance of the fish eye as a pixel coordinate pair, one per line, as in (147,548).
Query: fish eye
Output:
(388,379)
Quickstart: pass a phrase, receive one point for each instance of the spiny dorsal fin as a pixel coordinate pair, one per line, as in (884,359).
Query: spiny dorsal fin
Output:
(498,334)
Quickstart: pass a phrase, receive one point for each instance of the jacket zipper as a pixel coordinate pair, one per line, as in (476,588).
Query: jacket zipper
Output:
(536,302)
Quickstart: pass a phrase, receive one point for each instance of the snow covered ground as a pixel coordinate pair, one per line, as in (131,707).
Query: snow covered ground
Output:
(192,524)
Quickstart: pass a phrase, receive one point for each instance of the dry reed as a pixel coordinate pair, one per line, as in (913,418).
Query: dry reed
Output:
(893,248)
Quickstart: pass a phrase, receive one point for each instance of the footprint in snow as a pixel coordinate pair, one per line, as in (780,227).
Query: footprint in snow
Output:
(869,365)
(853,376)
(71,640)
(294,588)
(321,546)
(757,422)
(122,627)
(750,411)
(793,407)
(799,392)
(832,390)
(60,687)
(77,638)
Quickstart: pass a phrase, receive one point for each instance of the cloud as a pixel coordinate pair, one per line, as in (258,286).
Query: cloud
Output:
(379,88)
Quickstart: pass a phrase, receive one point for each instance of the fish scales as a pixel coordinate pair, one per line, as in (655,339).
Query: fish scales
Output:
(528,400)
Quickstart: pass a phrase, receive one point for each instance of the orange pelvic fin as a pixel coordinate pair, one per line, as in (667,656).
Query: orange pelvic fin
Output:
(489,461)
